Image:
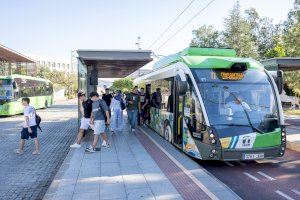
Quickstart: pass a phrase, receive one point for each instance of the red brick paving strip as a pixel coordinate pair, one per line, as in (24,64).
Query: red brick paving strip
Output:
(183,184)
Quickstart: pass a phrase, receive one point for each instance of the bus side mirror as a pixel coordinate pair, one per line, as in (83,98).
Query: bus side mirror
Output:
(181,86)
(14,85)
(279,81)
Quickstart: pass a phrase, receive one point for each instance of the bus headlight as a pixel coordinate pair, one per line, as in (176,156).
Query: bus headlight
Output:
(283,134)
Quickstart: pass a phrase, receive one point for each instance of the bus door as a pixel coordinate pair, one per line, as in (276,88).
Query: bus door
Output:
(179,109)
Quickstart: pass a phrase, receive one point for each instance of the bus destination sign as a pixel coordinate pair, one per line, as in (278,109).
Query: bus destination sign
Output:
(232,76)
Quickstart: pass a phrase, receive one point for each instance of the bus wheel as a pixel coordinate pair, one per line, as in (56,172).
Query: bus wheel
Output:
(168,133)
(46,104)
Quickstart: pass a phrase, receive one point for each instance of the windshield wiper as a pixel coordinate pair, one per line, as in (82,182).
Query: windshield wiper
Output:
(245,125)
(225,88)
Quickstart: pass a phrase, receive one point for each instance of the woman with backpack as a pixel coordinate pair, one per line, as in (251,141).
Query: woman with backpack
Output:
(117,106)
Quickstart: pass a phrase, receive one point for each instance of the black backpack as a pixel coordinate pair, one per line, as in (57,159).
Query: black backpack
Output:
(38,121)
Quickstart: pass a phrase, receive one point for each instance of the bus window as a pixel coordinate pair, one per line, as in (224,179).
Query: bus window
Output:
(192,111)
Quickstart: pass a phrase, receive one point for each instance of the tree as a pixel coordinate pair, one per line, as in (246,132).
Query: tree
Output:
(238,34)
(291,36)
(277,51)
(60,79)
(124,84)
(207,36)
(264,33)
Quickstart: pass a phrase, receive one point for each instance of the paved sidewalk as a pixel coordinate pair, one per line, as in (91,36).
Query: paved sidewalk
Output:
(133,168)
(28,176)
(293,132)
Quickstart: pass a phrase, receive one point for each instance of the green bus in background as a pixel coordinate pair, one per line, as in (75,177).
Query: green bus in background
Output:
(216,106)
(14,87)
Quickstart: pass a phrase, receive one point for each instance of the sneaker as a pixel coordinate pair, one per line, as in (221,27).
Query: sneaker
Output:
(36,152)
(91,149)
(18,151)
(105,144)
(133,130)
(75,145)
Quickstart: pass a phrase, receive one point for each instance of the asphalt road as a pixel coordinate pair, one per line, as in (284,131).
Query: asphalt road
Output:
(277,178)
(263,179)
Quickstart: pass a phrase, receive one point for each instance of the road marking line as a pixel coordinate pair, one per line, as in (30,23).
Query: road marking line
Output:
(267,176)
(229,164)
(187,172)
(243,164)
(252,177)
(284,195)
(296,191)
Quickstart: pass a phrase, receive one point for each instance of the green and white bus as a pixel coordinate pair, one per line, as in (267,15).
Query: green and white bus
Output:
(216,106)
(14,87)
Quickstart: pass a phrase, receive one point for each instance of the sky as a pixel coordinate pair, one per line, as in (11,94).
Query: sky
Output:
(53,28)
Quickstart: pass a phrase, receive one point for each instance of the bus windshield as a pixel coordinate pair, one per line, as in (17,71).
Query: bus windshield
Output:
(238,102)
(6,89)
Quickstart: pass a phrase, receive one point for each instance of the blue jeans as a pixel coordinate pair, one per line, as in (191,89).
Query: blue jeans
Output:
(132,117)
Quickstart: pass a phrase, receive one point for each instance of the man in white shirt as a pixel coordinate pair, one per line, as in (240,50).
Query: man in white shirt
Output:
(238,105)
(29,128)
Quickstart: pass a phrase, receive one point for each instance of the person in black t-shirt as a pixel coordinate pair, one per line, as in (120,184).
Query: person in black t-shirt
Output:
(107,97)
(86,110)
(156,99)
(144,101)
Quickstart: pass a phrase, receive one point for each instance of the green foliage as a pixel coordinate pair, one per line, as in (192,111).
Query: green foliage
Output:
(292,41)
(277,51)
(237,34)
(292,81)
(291,34)
(207,36)
(124,84)
(60,79)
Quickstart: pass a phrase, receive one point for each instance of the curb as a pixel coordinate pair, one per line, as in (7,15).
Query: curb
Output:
(293,143)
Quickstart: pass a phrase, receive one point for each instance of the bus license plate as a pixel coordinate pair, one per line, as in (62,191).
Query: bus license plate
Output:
(253,156)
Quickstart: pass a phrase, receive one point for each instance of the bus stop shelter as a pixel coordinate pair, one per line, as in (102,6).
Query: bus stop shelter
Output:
(94,64)
(13,62)
(284,64)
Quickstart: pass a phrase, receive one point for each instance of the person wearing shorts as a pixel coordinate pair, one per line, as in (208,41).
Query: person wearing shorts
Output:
(99,111)
(29,128)
(85,120)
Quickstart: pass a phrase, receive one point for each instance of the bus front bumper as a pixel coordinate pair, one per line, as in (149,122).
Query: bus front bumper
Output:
(252,154)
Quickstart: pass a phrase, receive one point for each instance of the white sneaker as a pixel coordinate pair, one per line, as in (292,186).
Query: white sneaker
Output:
(133,130)
(104,144)
(75,145)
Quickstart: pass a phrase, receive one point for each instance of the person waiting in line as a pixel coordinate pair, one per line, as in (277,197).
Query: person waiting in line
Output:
(85,120)
(142,98)
(157,99)
(107,97)
(133,104)
(238,105)
(117,112)
(29,128)
(144,102)
(97,120)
